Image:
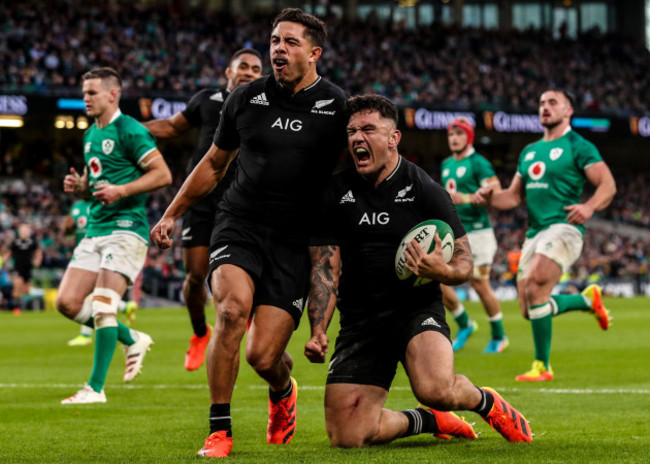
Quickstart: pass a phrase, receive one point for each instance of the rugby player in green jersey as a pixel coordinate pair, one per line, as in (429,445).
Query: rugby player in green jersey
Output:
(463,174)
(551,175)
(122,164)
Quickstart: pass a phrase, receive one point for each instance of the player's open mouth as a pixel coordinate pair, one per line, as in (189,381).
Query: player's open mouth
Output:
(279,63)
(362,155)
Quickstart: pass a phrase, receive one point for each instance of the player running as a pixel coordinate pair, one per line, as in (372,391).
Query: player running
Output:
(203,111)
(551,175)
(463,174)
(122,163)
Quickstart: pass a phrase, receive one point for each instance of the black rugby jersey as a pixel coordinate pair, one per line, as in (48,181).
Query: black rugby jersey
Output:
(203,111)
(368,224)
(22,252)
(288,146)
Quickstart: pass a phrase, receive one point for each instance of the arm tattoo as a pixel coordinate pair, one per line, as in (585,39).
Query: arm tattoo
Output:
(462,251)
(323,282)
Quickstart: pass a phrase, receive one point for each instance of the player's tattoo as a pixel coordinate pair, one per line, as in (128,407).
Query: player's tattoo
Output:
(462,251)
(323,282)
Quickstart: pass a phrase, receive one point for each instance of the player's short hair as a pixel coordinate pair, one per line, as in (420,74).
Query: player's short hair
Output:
(103,74)
(370,102)
(245,51)
(569,95)
(315,29)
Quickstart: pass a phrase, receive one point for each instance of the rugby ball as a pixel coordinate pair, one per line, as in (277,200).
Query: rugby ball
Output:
(423,234)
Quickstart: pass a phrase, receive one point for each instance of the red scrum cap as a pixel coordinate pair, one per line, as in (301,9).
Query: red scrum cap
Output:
(464,125)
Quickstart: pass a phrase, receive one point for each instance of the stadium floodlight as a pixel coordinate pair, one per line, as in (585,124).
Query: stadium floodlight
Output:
(11,121)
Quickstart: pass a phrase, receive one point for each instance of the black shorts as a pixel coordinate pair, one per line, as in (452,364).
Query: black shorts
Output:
(370,356)
(25,273)
(279,267)
(198,222)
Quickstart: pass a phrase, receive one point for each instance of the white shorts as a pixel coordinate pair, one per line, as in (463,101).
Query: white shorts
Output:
(121,253)
(561,242)
(484,246)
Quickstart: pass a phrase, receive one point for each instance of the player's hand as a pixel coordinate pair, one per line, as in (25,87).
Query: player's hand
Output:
(432,265)
(579,213)
(108,194)
(72,182)
(482,196)
(161,233)
(316,348)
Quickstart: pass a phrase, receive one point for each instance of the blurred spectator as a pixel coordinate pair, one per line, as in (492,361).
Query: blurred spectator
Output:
(46,46)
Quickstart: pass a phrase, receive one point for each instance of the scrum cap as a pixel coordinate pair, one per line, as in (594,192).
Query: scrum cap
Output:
(464,125)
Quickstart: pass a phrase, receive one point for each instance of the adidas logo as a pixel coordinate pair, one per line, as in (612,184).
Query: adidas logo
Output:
(298,303)
(217,97)
(430,321)
(260,100)
(347,198)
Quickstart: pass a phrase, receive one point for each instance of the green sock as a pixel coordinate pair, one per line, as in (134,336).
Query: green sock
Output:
(105,342)
(496,328)
(461,317)
(123,332)
(567,303)
(541,320)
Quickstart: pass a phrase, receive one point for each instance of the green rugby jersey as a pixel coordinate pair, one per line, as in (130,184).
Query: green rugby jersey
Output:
(465,176)
(113,155)
(80,213)
(553,175)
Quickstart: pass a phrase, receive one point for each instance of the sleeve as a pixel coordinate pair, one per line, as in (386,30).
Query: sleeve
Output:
(226,136)
(586,154)
(138,142)
(192,111)
(437,204)
(323,220)
(484,169)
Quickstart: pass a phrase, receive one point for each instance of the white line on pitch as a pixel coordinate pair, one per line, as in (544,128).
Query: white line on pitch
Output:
(555,391)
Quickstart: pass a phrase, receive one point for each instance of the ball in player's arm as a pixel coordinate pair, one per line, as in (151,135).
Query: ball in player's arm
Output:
(122,164)
(551,175)
(385,319)
(203,111)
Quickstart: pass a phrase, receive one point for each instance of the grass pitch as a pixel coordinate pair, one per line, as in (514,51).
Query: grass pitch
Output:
(595,411)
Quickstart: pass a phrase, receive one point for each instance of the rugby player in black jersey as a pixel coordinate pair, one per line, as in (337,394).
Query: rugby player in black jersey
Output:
(364,213)
(289,129)
(203,111)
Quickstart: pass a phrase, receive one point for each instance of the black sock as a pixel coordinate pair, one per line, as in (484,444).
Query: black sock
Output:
(485,405)
(280,395)
(199,326)
(420,421)
(220,418)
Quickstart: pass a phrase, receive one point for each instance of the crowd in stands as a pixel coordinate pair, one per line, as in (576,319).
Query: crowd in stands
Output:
(177,50)
(41,202)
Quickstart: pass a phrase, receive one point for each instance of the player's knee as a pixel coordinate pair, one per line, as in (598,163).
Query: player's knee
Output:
(67,304)
(437,395)
(346,437)
(232,308)
(195,279)
(261,359)
(104,307)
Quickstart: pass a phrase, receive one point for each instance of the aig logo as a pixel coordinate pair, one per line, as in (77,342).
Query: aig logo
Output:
(374,219)
(288,124)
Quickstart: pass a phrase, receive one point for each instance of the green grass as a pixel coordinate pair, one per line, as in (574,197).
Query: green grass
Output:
(595,411)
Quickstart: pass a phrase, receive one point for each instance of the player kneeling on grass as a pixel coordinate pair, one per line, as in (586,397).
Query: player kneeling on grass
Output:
(364,214)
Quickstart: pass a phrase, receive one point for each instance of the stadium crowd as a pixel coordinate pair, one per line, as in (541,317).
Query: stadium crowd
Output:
(165,50)
(39,201)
